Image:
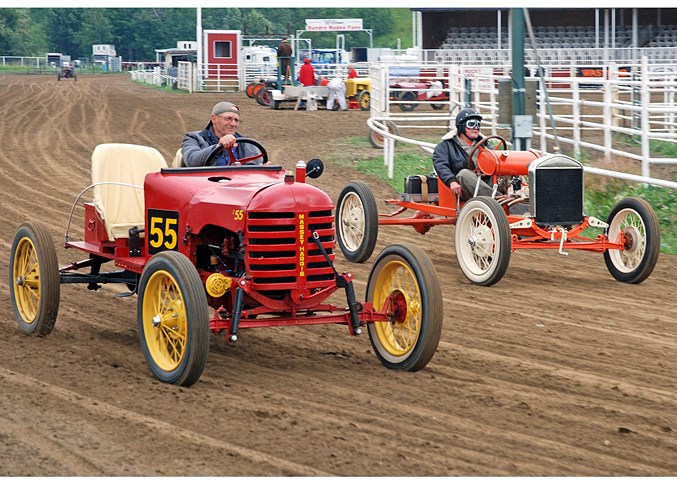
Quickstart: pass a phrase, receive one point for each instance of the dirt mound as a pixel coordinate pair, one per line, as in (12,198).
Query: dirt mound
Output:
(557,370)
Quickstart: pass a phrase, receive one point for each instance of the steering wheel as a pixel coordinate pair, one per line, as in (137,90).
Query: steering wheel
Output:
(231,155)
(482,143)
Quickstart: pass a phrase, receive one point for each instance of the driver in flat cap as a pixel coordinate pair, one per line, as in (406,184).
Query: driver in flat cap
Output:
(210,146)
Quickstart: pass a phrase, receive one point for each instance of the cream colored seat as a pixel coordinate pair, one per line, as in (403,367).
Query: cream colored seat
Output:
(118,171)
(177,162)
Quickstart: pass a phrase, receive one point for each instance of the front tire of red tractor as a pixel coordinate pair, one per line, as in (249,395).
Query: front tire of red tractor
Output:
(636,221)
(404,282)
(407,100)
(483,241)
(356,221)
(173,319)
(34,279)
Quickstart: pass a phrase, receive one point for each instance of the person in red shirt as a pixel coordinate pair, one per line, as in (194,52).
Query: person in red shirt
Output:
(307,73)
(351,72)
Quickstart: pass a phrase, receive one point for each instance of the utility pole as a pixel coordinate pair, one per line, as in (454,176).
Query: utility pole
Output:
(521,123)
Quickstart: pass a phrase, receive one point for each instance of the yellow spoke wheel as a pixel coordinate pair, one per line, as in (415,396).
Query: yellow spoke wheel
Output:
(34,275)
(173,319)
(403,283)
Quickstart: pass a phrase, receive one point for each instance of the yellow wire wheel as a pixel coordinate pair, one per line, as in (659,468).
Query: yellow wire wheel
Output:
(173,319)
(403,283)
(35,283)
(166,332)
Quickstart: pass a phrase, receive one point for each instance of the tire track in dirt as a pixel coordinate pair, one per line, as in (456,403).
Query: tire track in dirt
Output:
(556,370)
(163,428)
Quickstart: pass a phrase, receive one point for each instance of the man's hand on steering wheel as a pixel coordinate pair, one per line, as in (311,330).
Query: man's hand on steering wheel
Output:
(232,142)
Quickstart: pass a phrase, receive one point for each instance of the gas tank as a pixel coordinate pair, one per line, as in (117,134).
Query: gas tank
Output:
(505,163)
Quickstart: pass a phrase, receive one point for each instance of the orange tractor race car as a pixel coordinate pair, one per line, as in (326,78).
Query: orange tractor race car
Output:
(547,190)
(252,243)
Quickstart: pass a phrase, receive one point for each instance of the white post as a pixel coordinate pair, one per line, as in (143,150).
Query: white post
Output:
(576,113)
(645,127)
(608,119)
(198,35)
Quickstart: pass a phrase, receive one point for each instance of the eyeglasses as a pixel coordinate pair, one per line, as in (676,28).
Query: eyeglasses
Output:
(472,124)
(229,119)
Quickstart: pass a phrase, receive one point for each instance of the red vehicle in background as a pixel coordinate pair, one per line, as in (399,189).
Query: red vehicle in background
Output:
(409,94)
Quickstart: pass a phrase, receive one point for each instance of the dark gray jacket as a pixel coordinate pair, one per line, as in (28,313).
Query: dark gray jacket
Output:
(450,157)
(199,145)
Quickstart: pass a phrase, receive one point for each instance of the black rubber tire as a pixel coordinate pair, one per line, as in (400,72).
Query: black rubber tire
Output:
(408,97)
(263,97)
(170,282)
(638,260)
(356,221)
(483,241)
(34,279)
(364,100)
(377,140)
(437,106)
(249,89)
(395,268)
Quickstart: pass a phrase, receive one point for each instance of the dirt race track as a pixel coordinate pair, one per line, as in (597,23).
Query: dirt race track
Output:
(557,370)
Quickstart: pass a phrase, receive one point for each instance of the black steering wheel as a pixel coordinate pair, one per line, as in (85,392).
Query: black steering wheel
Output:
(216,152)
(482,143)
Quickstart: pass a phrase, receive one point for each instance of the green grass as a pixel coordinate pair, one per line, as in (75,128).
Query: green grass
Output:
(600,197)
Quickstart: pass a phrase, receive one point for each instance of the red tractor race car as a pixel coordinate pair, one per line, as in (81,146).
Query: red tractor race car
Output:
(541,207)
(252,242)
(408,94)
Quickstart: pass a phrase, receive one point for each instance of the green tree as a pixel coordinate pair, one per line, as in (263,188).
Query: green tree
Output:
(18,35)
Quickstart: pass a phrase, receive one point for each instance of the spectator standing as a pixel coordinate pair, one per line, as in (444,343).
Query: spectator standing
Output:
(307,73)
(284,54)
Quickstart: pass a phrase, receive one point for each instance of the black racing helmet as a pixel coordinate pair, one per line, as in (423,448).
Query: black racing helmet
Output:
(463,116)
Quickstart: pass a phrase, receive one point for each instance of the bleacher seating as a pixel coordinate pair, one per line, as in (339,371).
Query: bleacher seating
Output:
(550,37)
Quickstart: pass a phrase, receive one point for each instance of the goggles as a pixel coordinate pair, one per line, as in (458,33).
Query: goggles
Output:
(472,124)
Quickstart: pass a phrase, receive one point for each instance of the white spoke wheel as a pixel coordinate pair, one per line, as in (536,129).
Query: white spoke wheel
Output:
(483,241)
(173,319)
(404,283)
(34,279)
(634,222)
(356,221)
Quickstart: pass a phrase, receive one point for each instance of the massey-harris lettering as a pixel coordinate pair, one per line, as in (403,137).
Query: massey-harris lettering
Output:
(302,245)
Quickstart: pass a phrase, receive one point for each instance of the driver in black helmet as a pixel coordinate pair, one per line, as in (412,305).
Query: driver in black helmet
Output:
(450,157)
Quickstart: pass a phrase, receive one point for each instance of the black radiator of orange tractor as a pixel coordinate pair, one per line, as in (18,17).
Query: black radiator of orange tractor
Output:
(556,191)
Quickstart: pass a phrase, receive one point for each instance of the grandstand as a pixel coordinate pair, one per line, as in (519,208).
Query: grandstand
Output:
(593,35)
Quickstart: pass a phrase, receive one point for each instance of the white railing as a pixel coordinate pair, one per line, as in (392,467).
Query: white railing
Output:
(639,104)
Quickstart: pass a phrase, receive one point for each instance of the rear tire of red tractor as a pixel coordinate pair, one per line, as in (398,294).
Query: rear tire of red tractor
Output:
(404,282)
(483,241)
(34,279)
(634,219)
(263,97)
(173,319)
(356,221)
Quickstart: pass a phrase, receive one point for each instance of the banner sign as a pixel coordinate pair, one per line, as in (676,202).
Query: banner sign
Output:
(319,25)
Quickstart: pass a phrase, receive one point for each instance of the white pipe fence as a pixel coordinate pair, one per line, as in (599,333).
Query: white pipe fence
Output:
(621,104)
